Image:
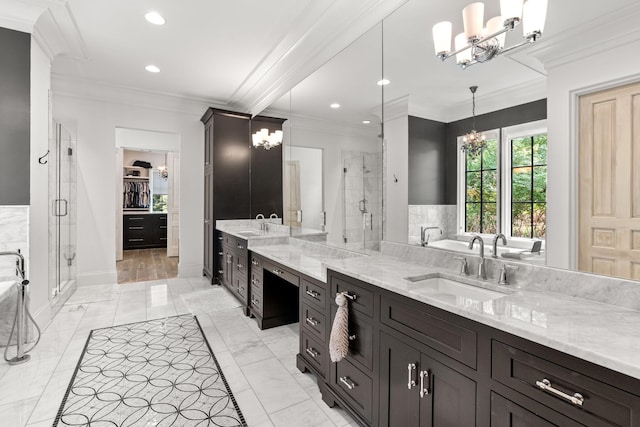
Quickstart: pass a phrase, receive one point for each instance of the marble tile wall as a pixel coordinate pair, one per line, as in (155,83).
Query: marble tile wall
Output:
(608,290)
(443,216)
(14,235)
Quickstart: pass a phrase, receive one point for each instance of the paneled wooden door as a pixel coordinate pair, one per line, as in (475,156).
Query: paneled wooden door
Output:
(609,182)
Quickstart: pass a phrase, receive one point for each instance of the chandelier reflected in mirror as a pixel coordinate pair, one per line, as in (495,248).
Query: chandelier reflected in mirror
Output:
(473,142)
(263,138)
(480,43)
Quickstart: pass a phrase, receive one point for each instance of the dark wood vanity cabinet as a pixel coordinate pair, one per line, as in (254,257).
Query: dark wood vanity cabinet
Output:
(274,293)
(234,268)
(412,364)
(240,181)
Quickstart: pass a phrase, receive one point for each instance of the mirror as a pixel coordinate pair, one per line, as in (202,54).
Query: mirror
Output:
(333,149)
(428,108)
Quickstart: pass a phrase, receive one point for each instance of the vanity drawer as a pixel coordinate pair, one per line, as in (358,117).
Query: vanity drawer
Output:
(361,332)
(282,272)
(363,298)
(240,288)
(239,244)
(423,324)
(256,265)
(256,285)
(505,413)
(314,352)
(527,373)
(256,303)
(355,387)
(315,322)
(314,294)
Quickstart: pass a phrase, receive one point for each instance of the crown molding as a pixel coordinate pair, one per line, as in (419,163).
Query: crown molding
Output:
(66,86)
(395,108)
(614,29)
(307,47)
(22,15)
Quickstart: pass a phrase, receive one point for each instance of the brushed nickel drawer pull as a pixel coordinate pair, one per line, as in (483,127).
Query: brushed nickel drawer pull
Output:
(136,228)
(221,272)
(351,297)
(410,381)
(220,238)
(352,337)
(254,262)
(313,294)
(240,266)
(136,240)
(254,282)
(278,272)
(240,246)
(424,389)
(347,381)
(313,353)
(312,321)
(136,219)
(545,384)
(220,253)
(240,289)
(255,301)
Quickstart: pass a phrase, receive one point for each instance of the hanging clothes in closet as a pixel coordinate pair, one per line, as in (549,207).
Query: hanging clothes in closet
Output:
(136,195)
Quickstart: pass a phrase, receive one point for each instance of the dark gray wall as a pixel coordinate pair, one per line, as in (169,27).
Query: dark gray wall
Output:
(427,178)
(15,66)
(530,112)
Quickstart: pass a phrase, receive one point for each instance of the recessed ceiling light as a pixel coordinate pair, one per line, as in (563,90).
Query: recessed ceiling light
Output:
(155,18)
(366,122)
(383,82)
(335,105)
(152,69)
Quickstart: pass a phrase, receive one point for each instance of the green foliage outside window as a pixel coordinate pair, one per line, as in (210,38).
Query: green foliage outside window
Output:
(160,202)
(528,188)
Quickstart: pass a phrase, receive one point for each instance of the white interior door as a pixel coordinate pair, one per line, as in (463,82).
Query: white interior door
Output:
(173,216)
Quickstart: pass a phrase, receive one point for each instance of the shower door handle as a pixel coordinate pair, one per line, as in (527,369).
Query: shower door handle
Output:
(323,215)
(56,207)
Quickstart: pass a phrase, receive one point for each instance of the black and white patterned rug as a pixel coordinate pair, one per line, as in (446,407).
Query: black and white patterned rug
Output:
(155,373)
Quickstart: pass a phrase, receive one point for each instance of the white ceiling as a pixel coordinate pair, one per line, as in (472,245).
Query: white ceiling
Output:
(429,87)
(245,54)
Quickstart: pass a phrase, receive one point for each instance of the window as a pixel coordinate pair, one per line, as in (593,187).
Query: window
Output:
(504,188)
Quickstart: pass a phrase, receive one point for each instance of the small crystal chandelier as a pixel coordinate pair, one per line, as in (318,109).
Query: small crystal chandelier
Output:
(480,43)
(473,142)
(263,138)
(163,171)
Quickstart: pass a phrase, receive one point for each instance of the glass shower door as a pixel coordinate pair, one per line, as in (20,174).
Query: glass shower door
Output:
(62,225)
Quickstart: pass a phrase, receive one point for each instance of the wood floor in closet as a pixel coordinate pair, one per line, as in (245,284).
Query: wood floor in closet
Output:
(146,264)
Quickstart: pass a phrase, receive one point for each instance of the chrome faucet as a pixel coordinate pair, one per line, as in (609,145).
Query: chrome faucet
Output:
(20,272)
(495,243)
(482,274)
(273,216)
(263,225)
(424,237)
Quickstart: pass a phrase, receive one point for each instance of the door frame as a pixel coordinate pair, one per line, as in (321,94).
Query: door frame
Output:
(574,140)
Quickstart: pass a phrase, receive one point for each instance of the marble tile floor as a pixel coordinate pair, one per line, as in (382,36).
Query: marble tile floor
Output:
(139,265)
(259,365)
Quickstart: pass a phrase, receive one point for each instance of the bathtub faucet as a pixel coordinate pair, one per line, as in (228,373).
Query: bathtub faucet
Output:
(424,236)
(20,272)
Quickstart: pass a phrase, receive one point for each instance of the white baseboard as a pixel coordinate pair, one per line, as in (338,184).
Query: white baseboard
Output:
(98,278)
(192,270)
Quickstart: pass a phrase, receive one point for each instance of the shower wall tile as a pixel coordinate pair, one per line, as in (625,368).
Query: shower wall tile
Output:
(443,216)
(14,235)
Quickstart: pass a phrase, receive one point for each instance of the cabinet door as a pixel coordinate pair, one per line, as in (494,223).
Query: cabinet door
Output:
(399,383)
(451,398)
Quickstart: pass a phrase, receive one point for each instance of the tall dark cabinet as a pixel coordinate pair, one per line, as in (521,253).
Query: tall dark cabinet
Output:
(239,181)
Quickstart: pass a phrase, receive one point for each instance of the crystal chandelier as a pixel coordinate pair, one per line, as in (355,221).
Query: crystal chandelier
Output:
(263,138)
(473,142)
(479,43)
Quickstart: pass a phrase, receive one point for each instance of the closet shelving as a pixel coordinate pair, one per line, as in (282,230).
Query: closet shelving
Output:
(145,177)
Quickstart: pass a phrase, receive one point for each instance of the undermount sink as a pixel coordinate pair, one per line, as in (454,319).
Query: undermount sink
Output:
(248,233)
(458,289)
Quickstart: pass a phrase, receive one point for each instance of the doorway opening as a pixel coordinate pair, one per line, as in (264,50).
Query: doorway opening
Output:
(147,191)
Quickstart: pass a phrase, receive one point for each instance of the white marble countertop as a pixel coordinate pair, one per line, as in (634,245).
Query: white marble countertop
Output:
(306,257)
(248,232)
(603,334)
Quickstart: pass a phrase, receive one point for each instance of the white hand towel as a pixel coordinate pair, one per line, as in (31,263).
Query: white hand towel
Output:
(339,339)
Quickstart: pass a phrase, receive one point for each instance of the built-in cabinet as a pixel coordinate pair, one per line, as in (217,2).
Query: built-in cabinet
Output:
(412,364)
(239,180)
(234,267)
(144,231)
